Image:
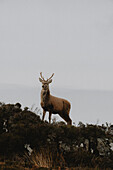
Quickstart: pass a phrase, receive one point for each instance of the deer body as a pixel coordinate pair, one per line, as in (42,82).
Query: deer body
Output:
(52,104)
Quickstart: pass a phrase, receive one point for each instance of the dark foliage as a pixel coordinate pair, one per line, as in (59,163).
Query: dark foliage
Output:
(70,145)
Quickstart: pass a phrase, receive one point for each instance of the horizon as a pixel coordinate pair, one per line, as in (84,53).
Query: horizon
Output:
(54,86)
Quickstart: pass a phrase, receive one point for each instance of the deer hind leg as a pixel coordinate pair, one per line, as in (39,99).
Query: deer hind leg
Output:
(67,118)
(50,117)
(69,121)
(65,113)
(44,112)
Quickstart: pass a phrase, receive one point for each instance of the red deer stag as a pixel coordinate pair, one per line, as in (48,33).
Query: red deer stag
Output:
(53,104)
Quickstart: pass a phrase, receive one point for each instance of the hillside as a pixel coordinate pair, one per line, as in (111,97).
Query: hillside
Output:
(27,142)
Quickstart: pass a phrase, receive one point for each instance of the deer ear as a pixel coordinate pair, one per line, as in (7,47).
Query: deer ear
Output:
(50,81)
(40,80)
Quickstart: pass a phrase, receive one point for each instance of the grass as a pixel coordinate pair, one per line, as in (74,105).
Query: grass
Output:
(46,159)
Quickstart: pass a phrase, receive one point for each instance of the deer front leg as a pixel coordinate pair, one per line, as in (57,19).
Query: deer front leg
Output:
(50,117)
(44,112)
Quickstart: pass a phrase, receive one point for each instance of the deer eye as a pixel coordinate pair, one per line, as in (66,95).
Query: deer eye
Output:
(43,86)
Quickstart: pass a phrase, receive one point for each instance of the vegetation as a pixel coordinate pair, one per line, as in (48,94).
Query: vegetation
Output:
(28,142)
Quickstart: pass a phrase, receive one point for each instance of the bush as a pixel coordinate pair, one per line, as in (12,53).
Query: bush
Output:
(53,145)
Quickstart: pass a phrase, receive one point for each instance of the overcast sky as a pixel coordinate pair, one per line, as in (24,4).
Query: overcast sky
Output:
(72,38)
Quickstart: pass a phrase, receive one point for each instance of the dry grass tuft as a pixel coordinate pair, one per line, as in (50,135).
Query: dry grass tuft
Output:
(46,159)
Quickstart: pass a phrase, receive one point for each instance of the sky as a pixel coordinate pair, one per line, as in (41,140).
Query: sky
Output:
(72,38)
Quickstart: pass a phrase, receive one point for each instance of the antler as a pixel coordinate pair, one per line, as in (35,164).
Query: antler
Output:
(44,79)
(41,76)
(50,77)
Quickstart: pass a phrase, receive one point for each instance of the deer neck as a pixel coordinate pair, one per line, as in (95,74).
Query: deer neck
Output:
(45,96)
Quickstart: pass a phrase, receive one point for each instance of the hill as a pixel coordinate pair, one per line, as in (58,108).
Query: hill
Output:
(28,142)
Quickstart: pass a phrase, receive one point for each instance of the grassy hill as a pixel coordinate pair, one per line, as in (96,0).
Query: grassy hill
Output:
(28,142)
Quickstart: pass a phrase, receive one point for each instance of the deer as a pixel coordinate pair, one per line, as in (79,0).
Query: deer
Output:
(52,104)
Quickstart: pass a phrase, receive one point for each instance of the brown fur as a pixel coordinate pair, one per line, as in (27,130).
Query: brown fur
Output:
(53,104)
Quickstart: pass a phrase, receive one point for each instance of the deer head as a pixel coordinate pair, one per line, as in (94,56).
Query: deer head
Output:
(45,83)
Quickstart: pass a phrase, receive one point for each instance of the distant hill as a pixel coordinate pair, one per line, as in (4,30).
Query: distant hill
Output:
(87,106)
